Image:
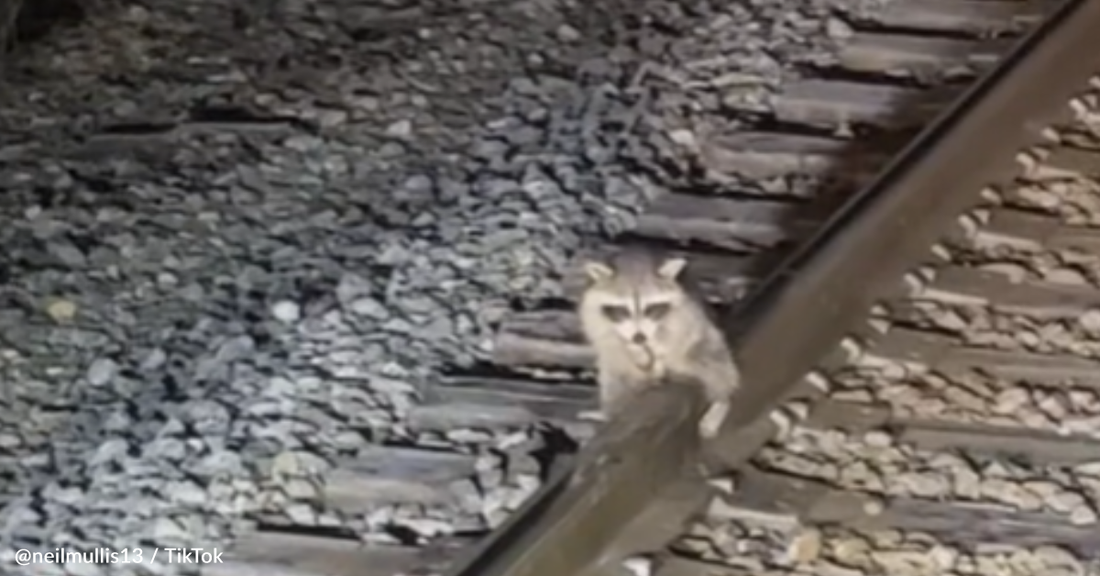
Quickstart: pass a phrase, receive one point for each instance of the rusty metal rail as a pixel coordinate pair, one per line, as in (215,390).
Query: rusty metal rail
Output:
(635,484)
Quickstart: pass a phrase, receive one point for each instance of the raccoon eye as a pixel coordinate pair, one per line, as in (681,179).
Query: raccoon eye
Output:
(615,313)
(657,311)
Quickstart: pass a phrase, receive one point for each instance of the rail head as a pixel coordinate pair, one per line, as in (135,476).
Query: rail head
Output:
(799,314)
(576,517)
(802,311)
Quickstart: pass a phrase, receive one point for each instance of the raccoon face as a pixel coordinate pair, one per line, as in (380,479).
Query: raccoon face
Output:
(636,296)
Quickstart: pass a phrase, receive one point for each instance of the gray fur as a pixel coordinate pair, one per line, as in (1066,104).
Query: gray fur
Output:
(645,327)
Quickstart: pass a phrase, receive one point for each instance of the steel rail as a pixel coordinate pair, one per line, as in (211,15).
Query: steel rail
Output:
(594,512)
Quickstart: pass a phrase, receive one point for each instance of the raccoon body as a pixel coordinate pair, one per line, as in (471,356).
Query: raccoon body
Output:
(645,327)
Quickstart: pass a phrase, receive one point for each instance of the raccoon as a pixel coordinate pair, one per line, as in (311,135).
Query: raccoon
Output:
(645,326)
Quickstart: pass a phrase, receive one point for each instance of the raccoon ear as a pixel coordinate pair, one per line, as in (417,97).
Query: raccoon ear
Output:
(597,271)
(670,269)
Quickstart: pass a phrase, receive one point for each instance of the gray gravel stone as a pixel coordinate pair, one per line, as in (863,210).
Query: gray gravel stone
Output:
(301,514)
(255,293)
(286,311)
(102,371)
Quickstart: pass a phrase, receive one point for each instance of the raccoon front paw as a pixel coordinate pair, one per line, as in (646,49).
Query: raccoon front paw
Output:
(711,422)
(708,430)
(591,416)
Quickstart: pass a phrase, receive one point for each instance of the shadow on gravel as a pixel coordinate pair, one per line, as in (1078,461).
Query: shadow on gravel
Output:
(873,146)
(27,21)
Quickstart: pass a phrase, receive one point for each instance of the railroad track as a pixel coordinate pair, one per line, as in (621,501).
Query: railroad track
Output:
(927,357)
(818,140)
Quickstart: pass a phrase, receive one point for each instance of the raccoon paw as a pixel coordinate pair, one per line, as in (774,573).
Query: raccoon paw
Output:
(591,416)
(712,420)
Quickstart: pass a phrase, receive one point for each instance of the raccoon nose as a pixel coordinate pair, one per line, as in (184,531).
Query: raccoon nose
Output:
(638,338)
